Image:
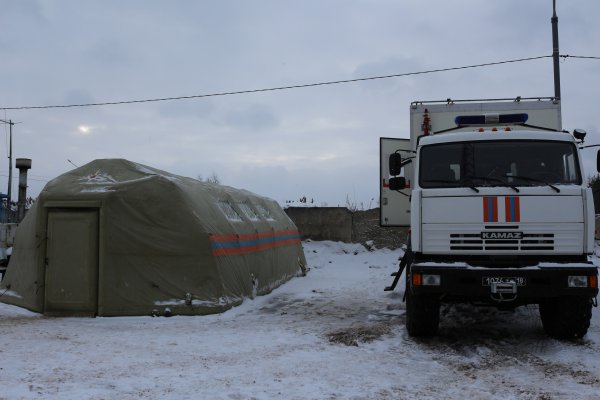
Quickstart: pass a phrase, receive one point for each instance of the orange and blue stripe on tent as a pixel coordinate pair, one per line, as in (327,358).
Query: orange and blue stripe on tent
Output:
(490,209)
(512,209)
(223,245)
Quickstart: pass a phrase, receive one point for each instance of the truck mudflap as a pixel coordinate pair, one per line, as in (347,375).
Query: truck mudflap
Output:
(527,285)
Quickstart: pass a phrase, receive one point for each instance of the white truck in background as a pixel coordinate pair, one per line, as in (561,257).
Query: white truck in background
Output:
(498,208)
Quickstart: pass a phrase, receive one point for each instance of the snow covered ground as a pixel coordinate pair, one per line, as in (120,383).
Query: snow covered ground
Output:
(334,334)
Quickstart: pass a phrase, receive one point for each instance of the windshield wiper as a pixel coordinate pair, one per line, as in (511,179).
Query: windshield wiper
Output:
(490,178)
(470,184)
(527,178)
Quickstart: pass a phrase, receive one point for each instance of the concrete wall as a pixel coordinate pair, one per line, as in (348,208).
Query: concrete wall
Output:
(341,224)
(322,223)
(365,226)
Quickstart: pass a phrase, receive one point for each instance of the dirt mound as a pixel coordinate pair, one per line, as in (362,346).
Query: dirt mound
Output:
(359,334)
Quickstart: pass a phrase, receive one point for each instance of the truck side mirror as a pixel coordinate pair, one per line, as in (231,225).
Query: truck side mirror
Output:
(398,183)
(579,134)
(598,161)
(395,164)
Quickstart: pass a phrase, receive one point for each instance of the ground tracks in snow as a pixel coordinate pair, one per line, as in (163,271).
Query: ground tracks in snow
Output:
(511,352)
(508,350)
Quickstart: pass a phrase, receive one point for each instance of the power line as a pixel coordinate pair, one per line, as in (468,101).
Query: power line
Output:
(3,171)
(586,57)
(31,179)
(289,87)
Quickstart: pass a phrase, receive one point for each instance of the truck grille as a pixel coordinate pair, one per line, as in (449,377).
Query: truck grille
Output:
(529,241)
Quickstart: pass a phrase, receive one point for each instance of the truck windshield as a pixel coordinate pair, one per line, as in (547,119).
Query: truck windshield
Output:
(499,163)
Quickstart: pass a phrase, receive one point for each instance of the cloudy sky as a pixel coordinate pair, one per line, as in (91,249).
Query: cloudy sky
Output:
(320,142)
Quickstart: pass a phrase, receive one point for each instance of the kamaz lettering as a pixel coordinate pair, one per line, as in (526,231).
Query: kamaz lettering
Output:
(502,235)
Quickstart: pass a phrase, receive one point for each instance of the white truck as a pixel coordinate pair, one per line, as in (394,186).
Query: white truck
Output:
(498,209)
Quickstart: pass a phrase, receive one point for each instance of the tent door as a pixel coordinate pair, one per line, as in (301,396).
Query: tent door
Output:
(72,262)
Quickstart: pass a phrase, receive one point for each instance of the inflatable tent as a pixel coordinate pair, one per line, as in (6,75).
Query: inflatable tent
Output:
(118,238)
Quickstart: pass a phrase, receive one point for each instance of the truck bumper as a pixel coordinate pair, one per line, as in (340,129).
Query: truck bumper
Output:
(464,283)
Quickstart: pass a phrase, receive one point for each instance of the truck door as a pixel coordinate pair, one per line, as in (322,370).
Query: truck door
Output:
(394,206)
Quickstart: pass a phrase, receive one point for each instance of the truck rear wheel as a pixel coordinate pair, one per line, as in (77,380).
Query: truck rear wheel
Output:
(566,317)
(422,314)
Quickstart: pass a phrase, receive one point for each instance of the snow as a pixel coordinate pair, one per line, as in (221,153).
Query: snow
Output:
(100,189)
(10,293)
(101,181)
(178,302)
(148,171)
(302,341)
(98,177)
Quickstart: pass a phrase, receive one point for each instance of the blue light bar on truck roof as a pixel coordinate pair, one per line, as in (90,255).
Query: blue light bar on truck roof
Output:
(490,119)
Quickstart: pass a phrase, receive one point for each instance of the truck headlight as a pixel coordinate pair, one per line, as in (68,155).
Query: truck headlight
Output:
(431,280)
(583,281)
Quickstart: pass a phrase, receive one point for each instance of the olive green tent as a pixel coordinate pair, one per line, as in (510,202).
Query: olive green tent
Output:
(118,238)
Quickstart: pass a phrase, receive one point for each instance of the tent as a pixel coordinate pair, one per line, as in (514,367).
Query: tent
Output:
(114,237)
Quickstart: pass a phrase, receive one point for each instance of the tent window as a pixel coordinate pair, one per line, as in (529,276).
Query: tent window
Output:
(249,212)
(266,214)
(229,211)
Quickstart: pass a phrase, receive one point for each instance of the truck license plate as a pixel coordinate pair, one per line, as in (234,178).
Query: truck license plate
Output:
(519,280)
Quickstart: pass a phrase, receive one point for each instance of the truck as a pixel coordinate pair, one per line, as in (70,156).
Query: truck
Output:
(499,212)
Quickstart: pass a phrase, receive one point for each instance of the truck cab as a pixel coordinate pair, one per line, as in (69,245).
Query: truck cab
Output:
(499,215)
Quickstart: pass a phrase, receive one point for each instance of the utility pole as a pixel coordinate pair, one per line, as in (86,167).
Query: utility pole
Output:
(9,192)
(555,53)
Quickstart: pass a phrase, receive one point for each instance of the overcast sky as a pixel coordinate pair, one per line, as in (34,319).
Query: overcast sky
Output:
(319,142)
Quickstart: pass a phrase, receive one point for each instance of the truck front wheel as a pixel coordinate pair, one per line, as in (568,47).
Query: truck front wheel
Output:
(566,317)
(422,314)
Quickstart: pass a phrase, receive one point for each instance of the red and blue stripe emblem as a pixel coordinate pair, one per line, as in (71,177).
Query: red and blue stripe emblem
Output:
(512,209)
(233,244)
(490,209)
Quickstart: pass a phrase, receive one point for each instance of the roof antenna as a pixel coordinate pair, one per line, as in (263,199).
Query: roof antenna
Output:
(72,163)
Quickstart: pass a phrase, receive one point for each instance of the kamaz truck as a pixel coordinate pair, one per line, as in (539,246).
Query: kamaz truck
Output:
(498,208)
